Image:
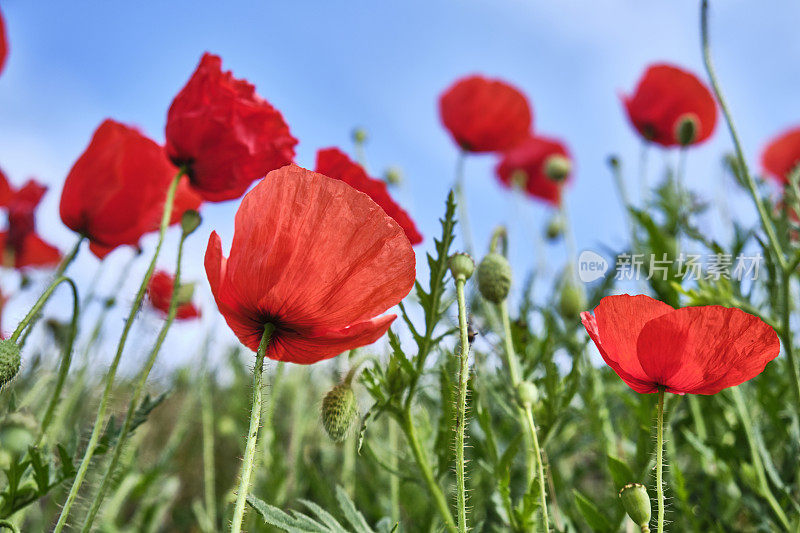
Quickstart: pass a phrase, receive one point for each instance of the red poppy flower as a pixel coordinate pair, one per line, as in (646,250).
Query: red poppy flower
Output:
(335,164)
(224,134)
(3,43)
(317,259)
(159,291)
(116,190)
(694,350)
(485,115)
(782,155)
(528,164)
(21,246)
(664,97)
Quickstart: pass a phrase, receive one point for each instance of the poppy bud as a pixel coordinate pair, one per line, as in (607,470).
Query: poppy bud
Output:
(686,129)
(557,168)
(190,220)
(555,228)
(519,179)
(527,393)
(393,176)
(185,293)
(494,277)
(339,411)
(637,504)
(9,361)
(359,135)
(572,300)
(461,265)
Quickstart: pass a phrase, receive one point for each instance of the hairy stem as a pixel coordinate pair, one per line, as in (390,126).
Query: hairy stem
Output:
(660,459)
(461,404)
(252,434)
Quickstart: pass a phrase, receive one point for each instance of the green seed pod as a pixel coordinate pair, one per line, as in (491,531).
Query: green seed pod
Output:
(393,176)
(190,221)
(572,300)
(636,502)
(527,393)
(686,129)
(555,228)
(461,265)
(359,135)
(494,277)
(557,168)
(9,361)
(339,411)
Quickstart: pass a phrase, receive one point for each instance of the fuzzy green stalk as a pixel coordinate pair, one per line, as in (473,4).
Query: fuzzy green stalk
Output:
(427,473)
(461,403)
(766,222)
(758,465)
(138,390)
(394,480)
(660,459)
(66,360)
(252,434)
(526,414)
(461,200)
(94,438)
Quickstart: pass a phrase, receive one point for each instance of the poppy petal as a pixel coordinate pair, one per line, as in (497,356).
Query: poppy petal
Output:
(782,155)
(615,328)
(702,350)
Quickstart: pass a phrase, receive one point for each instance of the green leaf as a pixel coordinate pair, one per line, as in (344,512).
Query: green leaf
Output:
(591,513)
(352,514)
(620,472)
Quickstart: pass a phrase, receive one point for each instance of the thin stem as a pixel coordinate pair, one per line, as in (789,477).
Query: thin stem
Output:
(36,309)
(252,434)
(526,416)
(69,258)
(461,200)
(758,465)
(766,222)
(786,331)
(66,360)
(660,459)
(394,480)
(462,404)
(436,492)
(207,421)
(643,192)
(94,438)
(138,390)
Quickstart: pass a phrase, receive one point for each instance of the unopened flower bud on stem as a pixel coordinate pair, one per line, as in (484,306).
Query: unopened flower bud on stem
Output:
(461,266)
(494,277)
(9,361)
(636,502)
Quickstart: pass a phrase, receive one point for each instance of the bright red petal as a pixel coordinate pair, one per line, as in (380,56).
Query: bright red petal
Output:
(702,350)
(5,190)
(528,159)
(3,43)
(615,329)
(335,164)
(35,252)
(782,155)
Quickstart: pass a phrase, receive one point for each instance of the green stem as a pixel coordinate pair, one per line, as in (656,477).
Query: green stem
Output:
(8,524)
(526,416)
(462,404)
(436,492)
(766,222)
(758,465)
(94,438)
(252,435)
(394,480)
(137,394)
(66,360)
(660,459)
(461,199)
(209,483)
(29,319)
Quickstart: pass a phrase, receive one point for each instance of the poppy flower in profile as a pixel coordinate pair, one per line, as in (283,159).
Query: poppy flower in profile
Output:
(671,107)
(485,115)
(337,165)
(116,190)
(159,292)
(539,166)
(224,134)
(3,43)
(21,246)
(782,155)
(316,259)
(693,350)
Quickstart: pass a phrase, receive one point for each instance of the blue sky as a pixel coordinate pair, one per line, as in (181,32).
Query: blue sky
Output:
(330,66)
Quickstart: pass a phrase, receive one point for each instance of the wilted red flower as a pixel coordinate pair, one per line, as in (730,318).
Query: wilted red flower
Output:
(116,190)
(3,43)
(485,115)
(665,96)
(693,350)
(335,164)
(530,164)
(20,244)
(782,155)
(159,291)
(224,134)
(316,259)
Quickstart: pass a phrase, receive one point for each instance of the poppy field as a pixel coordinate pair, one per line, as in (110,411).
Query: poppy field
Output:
(353,370)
